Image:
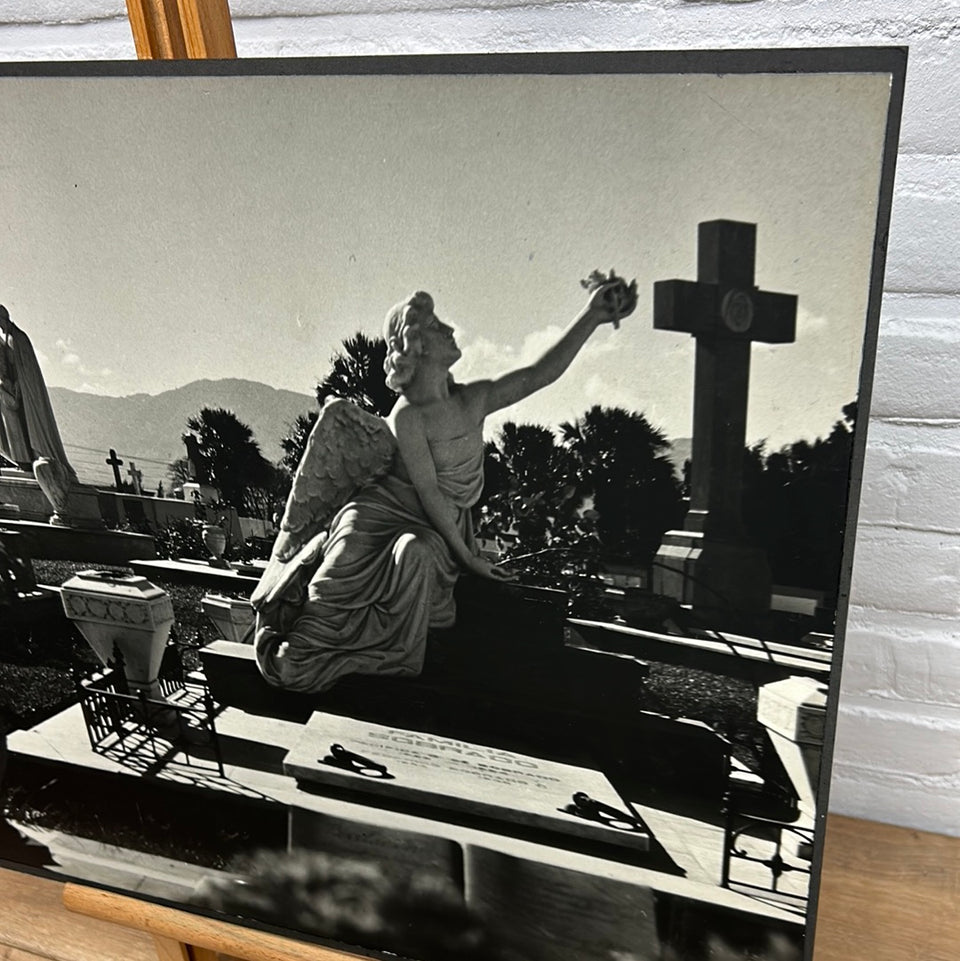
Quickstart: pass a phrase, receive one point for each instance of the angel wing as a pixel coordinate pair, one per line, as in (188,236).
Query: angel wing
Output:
(346,449)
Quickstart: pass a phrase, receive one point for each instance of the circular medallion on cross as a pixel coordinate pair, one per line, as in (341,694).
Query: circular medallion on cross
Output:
(736,309)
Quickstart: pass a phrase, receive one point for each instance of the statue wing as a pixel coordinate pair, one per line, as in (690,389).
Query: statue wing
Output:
(346,449)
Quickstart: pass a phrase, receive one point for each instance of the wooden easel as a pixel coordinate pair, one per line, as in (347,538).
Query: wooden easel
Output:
(181,936)
(887,892)
(181,29)
(195,30)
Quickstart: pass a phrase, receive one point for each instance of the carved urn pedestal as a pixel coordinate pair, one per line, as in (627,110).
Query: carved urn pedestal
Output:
(233,616)
(125,613)
(793,711)
(29,497)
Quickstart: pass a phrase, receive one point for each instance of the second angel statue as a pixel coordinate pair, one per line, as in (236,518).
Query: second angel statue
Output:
(377,526)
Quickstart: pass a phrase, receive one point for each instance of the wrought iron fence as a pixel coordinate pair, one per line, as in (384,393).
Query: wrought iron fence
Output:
(146,733)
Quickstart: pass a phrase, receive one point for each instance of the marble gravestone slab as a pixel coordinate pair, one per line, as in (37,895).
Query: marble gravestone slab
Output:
(452,780)
(554,914)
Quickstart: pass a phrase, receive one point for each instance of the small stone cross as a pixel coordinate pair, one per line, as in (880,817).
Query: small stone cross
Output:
(116,463)
(136,478)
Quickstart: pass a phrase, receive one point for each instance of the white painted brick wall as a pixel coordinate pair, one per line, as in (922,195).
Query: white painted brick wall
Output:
(898,744)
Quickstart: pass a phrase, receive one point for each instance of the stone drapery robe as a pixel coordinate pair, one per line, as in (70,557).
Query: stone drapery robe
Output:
(28,428)
(363,600)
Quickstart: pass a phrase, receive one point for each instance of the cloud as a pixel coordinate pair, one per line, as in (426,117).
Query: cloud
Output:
(595,389)
(68,357)
(483,357)
(71,359)
(808,323)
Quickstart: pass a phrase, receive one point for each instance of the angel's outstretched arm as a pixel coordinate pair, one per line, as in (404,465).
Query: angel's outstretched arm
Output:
(486,396)
(418,460)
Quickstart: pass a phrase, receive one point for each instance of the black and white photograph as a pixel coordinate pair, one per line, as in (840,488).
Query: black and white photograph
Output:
(427,488)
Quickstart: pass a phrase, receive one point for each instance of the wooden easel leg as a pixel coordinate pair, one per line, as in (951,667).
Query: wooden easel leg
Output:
(179,29)
(176,933)
(157,31)
(207,29)
(170,950)
(204,954)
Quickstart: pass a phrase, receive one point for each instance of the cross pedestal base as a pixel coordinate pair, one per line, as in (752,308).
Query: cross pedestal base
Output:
(712,575)
(80,510)
(22,489)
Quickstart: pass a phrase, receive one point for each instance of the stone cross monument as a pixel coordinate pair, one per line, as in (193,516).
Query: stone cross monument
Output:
(710,564)
(116,463)
(136,478)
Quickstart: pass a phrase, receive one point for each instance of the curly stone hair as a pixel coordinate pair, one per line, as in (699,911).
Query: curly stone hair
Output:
(401,331)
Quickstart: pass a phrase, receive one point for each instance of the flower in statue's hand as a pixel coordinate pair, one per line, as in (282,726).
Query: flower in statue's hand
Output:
(621,297)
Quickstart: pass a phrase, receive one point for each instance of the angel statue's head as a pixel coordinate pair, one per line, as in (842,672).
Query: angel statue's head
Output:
(403,330)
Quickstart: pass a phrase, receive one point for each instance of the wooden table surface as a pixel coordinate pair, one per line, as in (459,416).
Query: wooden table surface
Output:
(888,894)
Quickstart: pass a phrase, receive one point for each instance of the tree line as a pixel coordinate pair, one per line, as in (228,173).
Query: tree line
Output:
(601,489)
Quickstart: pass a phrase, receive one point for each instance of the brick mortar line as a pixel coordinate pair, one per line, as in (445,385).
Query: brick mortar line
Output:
(915,707)
(912,638)
(893,525)
(920,291)
(854,772)
(90,21)
(902,706)
(925,27)
(924,612)
(903,448)
(938,422)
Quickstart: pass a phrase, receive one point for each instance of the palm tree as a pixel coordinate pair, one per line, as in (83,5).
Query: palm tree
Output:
(530,493)
(622,462)
(229,458)
(356,374)
(540,489)
(295,442)
(795,502)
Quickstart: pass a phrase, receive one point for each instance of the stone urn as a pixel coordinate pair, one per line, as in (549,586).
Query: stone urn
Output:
(215,541)
(113,610)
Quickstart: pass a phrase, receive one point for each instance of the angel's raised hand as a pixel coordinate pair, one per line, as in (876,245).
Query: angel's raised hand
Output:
(611,298)
(627,302)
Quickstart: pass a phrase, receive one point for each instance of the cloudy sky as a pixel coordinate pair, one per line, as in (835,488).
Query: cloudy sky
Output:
(156,231)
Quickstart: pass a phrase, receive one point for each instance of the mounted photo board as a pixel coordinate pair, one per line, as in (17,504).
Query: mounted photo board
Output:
(593,716)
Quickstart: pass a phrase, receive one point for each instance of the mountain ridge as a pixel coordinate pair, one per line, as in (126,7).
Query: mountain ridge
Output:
(146,428)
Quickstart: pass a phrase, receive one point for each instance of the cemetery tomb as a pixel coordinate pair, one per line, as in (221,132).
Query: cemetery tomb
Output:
(601,725)
(396,767)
